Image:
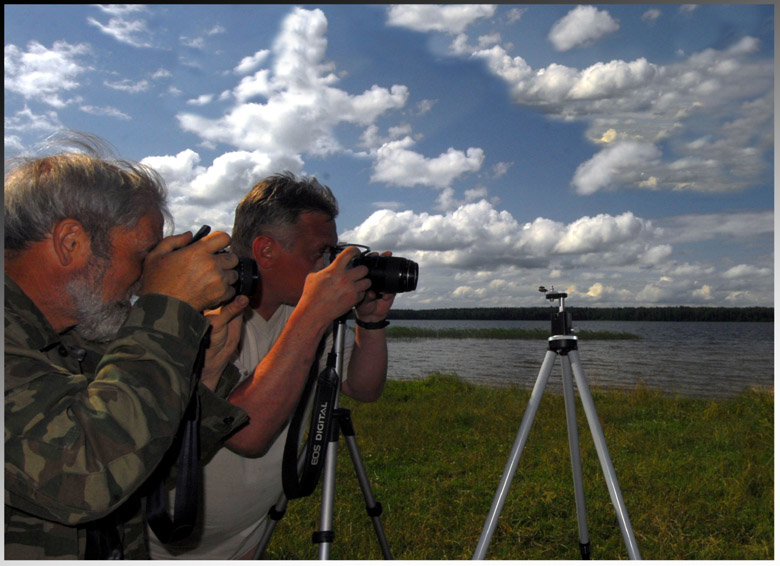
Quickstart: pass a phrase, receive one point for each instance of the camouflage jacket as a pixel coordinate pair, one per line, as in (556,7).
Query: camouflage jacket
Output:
(86,424)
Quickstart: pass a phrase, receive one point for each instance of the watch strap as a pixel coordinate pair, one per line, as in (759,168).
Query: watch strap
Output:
(372,325)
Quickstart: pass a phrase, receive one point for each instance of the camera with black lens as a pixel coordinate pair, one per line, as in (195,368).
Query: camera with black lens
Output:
(388,274)
(246,284)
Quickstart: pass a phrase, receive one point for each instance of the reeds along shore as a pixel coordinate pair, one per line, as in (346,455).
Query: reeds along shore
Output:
(697,477)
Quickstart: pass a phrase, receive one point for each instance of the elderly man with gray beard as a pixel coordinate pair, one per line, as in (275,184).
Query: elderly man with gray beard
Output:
(95,386)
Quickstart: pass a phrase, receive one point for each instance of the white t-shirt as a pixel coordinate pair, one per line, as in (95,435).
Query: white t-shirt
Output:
(238,492)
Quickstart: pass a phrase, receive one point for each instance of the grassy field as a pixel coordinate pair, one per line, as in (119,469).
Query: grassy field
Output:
(696,476)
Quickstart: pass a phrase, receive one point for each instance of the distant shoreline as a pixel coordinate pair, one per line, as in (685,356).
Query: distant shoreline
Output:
(653,314)
(399,332)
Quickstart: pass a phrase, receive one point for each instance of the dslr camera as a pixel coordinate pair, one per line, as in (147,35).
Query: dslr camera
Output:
(387,274)
(246,284)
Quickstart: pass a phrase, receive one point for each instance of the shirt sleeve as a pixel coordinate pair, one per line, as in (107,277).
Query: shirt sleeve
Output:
(77,445)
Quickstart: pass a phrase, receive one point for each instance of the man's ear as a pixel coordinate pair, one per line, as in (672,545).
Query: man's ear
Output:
(71,243)
(264,248)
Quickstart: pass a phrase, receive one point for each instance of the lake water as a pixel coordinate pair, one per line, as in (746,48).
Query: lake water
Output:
(694,359)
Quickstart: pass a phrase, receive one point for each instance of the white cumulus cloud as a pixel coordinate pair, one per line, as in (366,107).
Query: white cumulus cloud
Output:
(43,73)
(477,236)
(611,165)
(195,191)
(451,18)
(301,107)
(727,93)
(251,62)
(581,26)
(398,165)
(743,271)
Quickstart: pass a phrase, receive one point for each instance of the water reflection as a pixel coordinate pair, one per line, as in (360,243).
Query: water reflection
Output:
(710,360)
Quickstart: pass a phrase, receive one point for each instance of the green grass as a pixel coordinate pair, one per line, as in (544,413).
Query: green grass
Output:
(500,333)
(696,476)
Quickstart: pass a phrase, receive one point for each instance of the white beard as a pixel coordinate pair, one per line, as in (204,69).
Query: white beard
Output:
(97,321)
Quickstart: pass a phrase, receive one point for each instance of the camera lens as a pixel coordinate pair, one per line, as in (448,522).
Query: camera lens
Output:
(390,274)
(246,284)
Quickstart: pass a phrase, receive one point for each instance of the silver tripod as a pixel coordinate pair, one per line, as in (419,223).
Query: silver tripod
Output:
(342,418)
(564,344)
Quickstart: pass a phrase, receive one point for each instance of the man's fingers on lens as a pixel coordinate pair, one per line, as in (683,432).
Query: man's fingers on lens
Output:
(217,267)
(364,283)
(228,260)
(229,294)
(231,276)
(358,273)
(347,255)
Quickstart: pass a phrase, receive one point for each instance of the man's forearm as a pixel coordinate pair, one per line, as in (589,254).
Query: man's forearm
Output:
(274,390)
(368,366)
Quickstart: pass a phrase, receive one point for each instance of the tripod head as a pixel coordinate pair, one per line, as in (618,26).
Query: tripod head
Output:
(552,295)
(561,320)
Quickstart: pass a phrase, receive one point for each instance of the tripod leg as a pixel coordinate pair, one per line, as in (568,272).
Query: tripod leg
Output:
(606,462)
(514,457)
(373,507)
(576,461)
(325,536)
(275,515)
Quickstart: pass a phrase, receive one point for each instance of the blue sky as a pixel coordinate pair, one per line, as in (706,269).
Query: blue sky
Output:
(623,153)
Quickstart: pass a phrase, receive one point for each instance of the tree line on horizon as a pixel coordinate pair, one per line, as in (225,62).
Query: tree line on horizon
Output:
(655,314)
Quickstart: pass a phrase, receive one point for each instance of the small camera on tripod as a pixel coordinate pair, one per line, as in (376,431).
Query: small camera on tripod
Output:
(561,320)
(387,274)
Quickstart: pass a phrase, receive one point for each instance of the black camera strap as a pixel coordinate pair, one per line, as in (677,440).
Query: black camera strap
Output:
(185,508)
(320,429)
(166,529)
(103,540)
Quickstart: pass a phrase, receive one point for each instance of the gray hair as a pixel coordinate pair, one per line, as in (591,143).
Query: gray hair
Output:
(85,181)
(273,207)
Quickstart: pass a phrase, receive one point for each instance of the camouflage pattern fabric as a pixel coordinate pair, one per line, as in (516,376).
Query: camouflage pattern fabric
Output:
(86,424)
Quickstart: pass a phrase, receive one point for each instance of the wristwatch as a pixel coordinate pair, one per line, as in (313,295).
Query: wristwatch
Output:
(372,325)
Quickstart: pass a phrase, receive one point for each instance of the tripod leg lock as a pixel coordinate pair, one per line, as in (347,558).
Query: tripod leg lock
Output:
(344,418)
(276,514)
(374,511)
(320,537)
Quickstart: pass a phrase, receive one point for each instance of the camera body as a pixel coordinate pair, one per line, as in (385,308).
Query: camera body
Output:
(387,274)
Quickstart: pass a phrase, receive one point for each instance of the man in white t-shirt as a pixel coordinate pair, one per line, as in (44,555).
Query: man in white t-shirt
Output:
(287,225)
